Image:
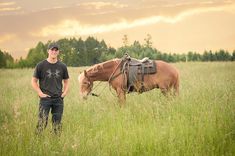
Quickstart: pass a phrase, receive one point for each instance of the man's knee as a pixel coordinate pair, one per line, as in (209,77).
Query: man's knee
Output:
(56,117)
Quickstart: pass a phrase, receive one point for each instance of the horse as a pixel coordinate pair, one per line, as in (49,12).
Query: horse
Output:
(112,71)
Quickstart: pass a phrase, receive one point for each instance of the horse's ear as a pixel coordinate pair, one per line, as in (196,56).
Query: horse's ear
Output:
(85,73)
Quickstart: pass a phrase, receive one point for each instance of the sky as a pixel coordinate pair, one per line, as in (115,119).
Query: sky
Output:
(176,26)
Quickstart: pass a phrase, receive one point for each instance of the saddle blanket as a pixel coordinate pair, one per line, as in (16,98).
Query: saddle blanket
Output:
(136,69)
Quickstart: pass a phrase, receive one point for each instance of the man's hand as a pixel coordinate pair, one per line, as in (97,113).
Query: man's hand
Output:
(42,95)
(66,87)
(63,95)
(37,89)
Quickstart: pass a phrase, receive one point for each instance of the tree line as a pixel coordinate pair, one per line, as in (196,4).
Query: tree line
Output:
(77,52)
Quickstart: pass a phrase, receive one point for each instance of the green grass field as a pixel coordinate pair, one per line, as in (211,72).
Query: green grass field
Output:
(201,121)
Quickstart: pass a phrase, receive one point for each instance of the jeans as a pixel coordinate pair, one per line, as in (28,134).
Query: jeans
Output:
(56,105)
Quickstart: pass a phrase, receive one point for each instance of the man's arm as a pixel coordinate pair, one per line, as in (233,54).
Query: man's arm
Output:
(66,87)
(34,83)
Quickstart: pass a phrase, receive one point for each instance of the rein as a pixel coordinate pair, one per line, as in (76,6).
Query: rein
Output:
(94,94)
(123,71)
(112,76)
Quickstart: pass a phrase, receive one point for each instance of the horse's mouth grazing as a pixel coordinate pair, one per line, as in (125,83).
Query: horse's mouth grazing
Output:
(83,96)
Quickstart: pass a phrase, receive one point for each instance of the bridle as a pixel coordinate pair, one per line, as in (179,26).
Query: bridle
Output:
(112,76)
(124,60)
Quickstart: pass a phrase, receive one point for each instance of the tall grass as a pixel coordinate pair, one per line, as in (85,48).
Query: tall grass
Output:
(201,121)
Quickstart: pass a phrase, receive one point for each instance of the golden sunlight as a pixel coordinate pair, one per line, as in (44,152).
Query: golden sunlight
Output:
(75,28)
(7,37)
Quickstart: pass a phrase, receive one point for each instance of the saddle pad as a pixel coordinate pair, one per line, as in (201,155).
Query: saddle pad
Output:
(136,73)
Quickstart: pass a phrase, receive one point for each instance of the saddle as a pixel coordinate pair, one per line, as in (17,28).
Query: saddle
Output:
(135,71)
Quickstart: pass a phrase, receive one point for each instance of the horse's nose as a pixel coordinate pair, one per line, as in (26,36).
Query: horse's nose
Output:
(84,97)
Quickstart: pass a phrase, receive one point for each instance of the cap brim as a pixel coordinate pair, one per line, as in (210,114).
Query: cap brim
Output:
(54,47)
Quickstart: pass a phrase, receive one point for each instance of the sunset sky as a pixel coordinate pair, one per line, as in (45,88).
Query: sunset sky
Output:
(176,26)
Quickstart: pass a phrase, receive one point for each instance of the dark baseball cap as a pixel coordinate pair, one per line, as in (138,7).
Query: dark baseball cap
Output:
(53,45)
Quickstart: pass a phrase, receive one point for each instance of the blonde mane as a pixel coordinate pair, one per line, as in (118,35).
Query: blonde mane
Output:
(97,68)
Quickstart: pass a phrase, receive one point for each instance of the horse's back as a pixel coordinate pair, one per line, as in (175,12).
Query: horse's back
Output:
(166,68)
(167,75)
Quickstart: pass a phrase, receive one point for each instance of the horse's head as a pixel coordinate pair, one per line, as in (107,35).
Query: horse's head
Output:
(85,84)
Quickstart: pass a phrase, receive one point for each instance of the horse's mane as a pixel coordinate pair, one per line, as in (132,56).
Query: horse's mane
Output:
(101,66)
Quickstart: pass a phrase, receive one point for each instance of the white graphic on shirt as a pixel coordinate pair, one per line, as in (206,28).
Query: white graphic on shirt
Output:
(53,74)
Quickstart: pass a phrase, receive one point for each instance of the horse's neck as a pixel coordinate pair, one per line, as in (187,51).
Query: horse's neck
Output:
(101,74)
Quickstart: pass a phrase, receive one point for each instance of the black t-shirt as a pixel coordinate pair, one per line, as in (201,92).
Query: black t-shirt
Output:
(50,77)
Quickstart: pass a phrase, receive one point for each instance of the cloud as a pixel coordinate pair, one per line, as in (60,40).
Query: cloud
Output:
(207,2)
(76,28)
(9,6)
(7,3)
(7,37)
(100,5)
(10,9)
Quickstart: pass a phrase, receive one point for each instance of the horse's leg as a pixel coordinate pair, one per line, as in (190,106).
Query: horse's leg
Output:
(121,96)
(164,91)
(165,88)
(170,88)
(176,87)
(176,90)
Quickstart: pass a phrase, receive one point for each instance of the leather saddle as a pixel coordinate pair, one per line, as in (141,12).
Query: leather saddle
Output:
(136,70)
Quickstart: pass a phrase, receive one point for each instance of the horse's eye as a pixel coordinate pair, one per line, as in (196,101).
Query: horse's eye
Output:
(86,83)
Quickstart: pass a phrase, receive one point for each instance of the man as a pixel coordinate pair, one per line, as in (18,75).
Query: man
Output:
(52,74)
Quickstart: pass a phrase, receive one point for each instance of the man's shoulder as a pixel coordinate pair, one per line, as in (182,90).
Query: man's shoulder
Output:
(41,63)
(61,64)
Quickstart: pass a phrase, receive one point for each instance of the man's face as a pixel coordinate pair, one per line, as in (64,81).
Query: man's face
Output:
(53,53)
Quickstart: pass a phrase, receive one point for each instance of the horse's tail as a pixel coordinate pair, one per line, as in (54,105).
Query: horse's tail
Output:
(177,85)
